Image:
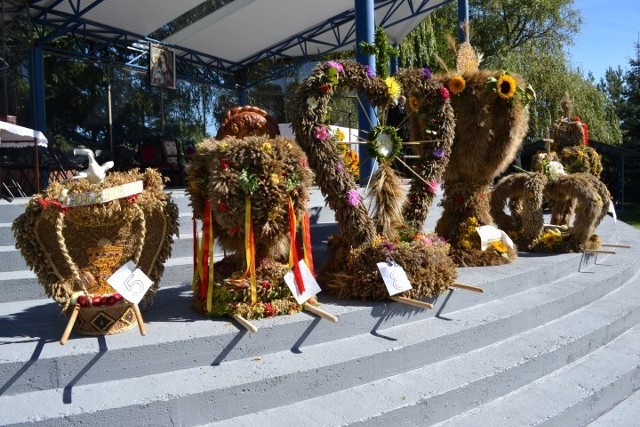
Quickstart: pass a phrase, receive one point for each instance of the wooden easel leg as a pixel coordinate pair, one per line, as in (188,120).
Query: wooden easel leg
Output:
(245,323)
(413,302)
(320,312)
(143,328)
(467,287)
(609,245)
(70,323)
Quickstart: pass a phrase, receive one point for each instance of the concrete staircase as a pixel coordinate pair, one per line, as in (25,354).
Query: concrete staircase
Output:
(554,341)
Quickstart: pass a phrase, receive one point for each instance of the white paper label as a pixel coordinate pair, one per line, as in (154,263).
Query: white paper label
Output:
(489,234)
(612,211)
(103,196)
(394,277)
(311,286)
(130,282)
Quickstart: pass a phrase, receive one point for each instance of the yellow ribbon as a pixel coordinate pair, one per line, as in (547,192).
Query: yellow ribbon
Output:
(250,250)
(211,262)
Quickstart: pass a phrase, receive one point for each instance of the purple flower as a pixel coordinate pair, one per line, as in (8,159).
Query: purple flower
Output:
(388,245)
(340,167)
(353,197)
(369,71)
(438,153)
(335,64)
(322,133)
(426,72)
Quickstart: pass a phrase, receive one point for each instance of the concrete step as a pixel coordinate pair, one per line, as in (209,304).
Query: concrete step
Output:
(412,373)
(624,414)
(441,390)
(573,394)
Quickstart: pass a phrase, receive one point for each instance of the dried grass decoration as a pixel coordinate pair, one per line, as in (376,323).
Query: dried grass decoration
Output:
(491,122)
(249,193)
(364,239)
(73,250)
(525,193)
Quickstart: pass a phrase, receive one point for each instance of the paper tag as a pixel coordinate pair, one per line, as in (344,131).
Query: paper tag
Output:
(102,196)
(394,277)
(489,234)
(311,286)
(130,282)
(612,211)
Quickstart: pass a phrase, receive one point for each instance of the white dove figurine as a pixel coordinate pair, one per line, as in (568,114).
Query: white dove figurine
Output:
(95,173)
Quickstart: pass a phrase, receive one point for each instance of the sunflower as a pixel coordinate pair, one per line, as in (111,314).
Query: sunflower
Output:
(499,247)
(393,87)
(506,86)
(457,84)
(414,103)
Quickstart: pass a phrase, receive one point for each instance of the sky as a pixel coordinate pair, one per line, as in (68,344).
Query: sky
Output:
(607,36)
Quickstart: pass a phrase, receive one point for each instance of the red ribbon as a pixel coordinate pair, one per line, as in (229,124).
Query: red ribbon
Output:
(293,250)
(202,291)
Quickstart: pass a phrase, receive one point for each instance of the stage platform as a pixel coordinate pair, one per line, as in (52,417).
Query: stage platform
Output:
(554,340)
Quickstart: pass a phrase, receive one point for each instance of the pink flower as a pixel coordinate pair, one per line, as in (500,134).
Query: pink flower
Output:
(427,241)
(433,186)
(340,167)
(322,133)
(444,93)
(353,197)
(335,64)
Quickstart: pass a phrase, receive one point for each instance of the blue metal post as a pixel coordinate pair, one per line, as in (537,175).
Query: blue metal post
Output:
(38,118)
(365,28)
(463,19)
(241,85)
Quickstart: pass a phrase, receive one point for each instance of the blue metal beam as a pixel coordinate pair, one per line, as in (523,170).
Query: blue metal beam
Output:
(365,28)
(463,20)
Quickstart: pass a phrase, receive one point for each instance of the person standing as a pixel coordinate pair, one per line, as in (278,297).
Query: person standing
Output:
(397,117)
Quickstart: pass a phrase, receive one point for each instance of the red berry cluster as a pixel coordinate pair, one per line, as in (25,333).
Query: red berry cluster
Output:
(99,300)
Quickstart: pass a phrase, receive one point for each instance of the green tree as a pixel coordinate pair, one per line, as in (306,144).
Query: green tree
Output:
(629,110)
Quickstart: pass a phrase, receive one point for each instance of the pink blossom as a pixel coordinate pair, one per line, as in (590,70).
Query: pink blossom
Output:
(322,133)
(433,186)
(444,93)
(335,64)
(353,197)
(427,241)
(340,167)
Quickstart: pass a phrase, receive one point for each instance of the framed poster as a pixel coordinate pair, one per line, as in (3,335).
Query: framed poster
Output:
(162,67)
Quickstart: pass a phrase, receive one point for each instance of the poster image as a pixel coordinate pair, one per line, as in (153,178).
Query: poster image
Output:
(162,67)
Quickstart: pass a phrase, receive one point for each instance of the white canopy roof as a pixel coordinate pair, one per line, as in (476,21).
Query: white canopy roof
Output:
(17,136)
(239,32)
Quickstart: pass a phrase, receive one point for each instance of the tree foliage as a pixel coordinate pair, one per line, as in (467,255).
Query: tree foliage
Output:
(526,37)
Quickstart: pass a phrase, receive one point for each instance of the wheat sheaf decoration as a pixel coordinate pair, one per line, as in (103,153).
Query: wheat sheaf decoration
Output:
(394,229)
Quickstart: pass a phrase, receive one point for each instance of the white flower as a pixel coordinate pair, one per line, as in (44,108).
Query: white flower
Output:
(554,169)
(312,102)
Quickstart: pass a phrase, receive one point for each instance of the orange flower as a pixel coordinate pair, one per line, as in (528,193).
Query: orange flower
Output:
(457,84)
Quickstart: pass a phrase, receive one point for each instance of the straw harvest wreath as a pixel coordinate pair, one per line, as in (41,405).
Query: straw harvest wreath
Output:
(74,236)
(250,193)
(394,231)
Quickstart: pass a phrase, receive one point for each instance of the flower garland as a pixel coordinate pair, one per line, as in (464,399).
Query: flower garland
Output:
(384,143)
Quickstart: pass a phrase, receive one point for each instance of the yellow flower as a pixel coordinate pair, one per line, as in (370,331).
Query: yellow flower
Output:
(499,247)
(506,86)
(266,147)
(414,103)
(580,153)
(223,146)
(566,152)
(473,221)
(550,237)
(457,84)
(275,179)
(340,135)
(393,87)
